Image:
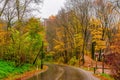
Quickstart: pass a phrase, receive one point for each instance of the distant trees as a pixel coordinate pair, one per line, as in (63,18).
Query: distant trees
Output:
(50,25)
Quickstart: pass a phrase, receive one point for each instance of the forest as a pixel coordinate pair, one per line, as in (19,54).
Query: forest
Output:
(82,28)
(86,28)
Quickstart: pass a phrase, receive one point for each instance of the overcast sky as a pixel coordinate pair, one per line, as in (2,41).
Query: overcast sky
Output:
(51,7)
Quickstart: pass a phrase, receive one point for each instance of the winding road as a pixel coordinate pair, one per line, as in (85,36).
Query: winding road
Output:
(60,72)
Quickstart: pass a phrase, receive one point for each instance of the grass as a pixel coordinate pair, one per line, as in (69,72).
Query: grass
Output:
(107,76)
(8,68)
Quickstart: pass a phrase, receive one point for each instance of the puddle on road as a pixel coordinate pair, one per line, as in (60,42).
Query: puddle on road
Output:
(42,76)
(50,74)
(37,77)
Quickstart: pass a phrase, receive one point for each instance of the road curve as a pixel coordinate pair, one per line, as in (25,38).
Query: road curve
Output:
(60,72)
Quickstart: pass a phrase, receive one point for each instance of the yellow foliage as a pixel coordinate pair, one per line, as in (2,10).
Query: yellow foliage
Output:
(2,25)
(59,46)
(95,22)
(115,45)
(96,32)
(4,35)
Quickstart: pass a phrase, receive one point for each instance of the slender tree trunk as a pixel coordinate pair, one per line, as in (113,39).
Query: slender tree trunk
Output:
(99,57)
(93,50)
(83,60)
(37,55)
(66,57)
(3,7)
(18,9)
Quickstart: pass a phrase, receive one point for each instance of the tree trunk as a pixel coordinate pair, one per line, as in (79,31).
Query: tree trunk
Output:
(99,57)
(83,60)
(66,57)
(93,51)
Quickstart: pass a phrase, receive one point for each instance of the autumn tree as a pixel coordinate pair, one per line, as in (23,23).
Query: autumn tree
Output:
(105,11)
(63,33)
(33,36)
(50,28)
(97,40)
(81,9)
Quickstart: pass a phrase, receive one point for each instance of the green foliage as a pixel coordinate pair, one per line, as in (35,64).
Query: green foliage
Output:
(61,60)
(24,43)
(7,68)
(49,57)
(73,61)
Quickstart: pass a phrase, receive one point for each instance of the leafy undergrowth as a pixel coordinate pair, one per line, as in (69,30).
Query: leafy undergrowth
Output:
(8,68)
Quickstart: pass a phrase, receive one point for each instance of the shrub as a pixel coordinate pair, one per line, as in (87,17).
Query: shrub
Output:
(114,61)
(73,61)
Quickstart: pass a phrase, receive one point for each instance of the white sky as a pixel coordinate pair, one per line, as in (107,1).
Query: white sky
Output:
(51,7)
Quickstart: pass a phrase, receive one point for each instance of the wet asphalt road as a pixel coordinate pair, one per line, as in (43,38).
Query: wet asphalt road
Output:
(59,72)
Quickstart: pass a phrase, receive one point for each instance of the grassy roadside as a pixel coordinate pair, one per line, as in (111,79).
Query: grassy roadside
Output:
(104,76)
(101,76)
(8,70)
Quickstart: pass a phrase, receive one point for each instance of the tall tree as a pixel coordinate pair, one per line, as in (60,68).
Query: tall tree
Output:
(82,9)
